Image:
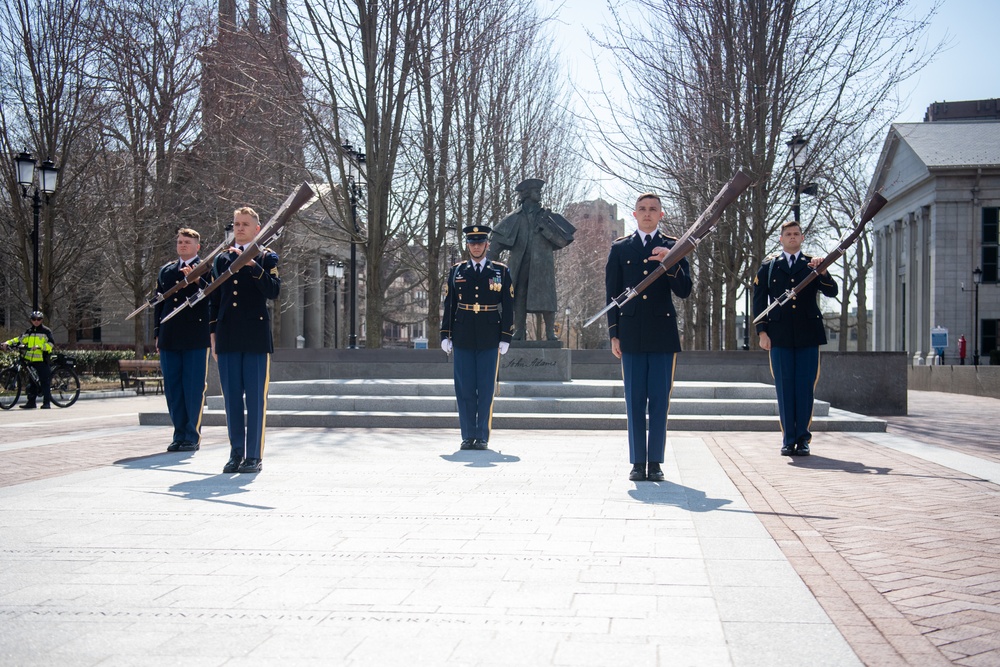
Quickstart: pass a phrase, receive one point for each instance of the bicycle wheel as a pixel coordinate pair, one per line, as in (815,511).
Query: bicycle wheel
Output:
(10,388)
(65,387)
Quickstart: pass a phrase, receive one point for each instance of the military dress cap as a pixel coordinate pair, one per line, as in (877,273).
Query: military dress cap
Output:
(475,233)
(529,184)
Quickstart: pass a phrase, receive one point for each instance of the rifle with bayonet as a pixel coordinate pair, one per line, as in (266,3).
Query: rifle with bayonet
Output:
(685,244)
(196,272)
(269,233)
(869,211)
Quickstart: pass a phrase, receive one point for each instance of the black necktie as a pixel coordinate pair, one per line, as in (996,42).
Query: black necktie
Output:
(646,242)
(479,269)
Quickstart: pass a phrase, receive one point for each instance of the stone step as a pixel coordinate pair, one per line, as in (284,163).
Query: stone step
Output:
(837,420)
(506,405)
(578,404)
(572,389)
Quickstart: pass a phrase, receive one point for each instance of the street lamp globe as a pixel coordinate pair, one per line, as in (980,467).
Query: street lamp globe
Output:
(50,174)
(797,146)
(25,170)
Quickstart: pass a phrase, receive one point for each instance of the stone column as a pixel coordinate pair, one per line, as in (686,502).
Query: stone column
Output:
(291,304)
(313,306)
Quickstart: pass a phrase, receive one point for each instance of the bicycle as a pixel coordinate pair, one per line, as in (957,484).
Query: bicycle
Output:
(64,383)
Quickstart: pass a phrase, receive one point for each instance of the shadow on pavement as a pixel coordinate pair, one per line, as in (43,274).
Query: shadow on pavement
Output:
(693,500)
(857,468)
(482,458)
(823,463)
(159,460)
(214,489)
(684,497)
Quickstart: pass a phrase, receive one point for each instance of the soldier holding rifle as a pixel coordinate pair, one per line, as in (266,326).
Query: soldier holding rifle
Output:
(241,341)
(792,333)
(183,344)
(644,334)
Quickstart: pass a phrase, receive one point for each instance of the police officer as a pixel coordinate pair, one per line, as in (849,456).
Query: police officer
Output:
(478,323)
(183,343)
(240,328)
(792,334)
(644,333)
(39,341)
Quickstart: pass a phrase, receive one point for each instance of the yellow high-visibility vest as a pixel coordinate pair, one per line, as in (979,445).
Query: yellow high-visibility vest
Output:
(38,345)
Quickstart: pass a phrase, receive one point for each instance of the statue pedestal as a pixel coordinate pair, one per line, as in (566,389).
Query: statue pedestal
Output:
(536,361)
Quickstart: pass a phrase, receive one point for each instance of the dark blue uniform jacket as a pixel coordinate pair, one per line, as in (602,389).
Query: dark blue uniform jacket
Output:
(799,322)
(492,288)
(188,330)
(238,311)
(647,323)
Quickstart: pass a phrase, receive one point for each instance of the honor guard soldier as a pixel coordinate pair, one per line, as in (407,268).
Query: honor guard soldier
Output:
(241,340)
(183,343)
(644,333)
(477,325)
(792,334)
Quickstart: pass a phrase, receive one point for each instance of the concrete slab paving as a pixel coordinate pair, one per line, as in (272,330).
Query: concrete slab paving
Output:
(366,547)
(384,546)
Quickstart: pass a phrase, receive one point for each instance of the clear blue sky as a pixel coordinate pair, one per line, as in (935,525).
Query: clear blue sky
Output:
(966,70)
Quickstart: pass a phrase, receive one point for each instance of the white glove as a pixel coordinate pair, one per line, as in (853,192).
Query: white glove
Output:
(504,346)
(446,345)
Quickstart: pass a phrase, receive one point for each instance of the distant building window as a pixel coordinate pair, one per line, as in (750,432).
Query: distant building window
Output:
(991,236)
(990,331)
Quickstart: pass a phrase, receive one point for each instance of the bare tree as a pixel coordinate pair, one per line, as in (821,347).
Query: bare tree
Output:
(717,85)
(359,57)
(148,75)
(47,107)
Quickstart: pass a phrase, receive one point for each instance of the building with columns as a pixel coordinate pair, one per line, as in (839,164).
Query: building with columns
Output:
(942,180)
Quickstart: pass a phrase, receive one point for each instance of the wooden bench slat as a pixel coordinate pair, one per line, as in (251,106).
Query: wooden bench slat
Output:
(139,372)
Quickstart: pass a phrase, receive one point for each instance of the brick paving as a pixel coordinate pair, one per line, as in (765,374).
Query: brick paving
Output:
(902,554)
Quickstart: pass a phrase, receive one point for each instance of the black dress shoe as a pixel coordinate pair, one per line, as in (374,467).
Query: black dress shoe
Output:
(174,446)
(638,473)
(233,465)
(252,465)
(655,474)
(788,450)
(189,447)
(481,444)
(802,449)
(27,406)
(46,406)
(468,443)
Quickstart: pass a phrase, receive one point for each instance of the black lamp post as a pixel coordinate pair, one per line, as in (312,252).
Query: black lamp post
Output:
(48,174)
(335,270)
(977,279)
(355,170)
(797,146)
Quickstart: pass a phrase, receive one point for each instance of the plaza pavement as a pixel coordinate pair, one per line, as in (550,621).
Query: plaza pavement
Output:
(386,547)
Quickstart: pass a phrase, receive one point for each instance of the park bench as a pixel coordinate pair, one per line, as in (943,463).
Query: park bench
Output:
(138,373)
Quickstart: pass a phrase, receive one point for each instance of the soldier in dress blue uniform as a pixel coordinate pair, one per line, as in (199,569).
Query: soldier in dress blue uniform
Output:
(644,333)
(478,323)
(792,334)
(241,340)
(183,343)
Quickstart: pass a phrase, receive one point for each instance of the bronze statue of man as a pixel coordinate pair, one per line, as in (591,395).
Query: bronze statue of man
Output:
(531,234)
